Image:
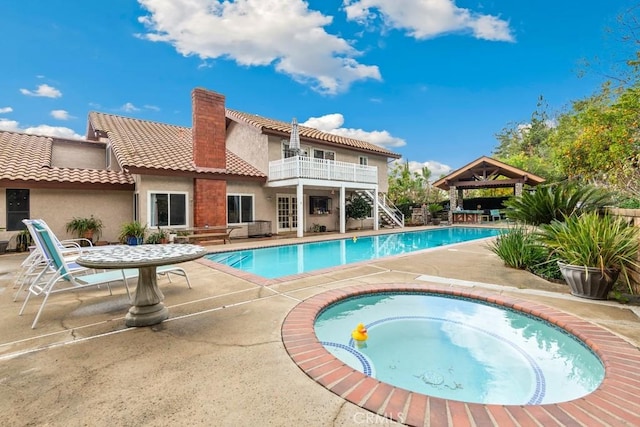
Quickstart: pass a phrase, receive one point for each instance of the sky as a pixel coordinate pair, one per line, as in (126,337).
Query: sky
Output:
(432,80)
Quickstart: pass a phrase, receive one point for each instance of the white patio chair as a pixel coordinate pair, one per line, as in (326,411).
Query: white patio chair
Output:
(59,275)
(35,262)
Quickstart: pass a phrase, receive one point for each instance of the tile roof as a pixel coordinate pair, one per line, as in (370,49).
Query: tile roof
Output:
(16,166)
(152,145)
(487,170)
(269,125)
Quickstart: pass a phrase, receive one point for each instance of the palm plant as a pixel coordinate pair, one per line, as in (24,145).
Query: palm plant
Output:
(85,227)
(591,240)
(556,202)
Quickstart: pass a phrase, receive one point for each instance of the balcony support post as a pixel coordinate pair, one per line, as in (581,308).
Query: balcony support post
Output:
(343,220)
(300,209)
(376,200)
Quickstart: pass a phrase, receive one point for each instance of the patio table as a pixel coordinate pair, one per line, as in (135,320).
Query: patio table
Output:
(147,308)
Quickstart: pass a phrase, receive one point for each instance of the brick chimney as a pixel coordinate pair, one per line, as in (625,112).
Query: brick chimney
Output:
(209,152)
(209,129)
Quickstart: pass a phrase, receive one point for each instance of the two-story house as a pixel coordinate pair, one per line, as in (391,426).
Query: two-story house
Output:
(229,168)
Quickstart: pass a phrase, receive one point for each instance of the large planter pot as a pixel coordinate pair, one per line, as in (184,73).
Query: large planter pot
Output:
(588,282)
(134,241)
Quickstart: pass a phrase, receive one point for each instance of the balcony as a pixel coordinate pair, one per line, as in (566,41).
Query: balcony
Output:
(329,170)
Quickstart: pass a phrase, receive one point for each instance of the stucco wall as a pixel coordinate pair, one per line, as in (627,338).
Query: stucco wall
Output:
(249,144)
(83,155)
(57,207)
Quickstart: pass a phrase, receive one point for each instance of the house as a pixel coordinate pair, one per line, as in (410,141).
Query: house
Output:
(229,168)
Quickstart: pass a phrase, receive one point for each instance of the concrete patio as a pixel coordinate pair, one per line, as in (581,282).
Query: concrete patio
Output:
(219,359)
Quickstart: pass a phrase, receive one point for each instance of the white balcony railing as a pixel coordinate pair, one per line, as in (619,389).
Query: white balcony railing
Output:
(307,167)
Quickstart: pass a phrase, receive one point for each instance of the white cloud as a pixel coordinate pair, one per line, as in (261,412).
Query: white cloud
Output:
(152,107)
(43,90)
(61,115)
(428,18)
(437,169)
(5,110)
(9,125)
(129,108)
(332,123)
(285,34)
(55,131)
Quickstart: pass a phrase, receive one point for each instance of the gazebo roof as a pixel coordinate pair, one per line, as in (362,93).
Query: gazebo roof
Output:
(486,172)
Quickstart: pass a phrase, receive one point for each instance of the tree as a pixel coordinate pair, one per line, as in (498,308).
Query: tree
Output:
(527,145)
(599,140)
(357,208)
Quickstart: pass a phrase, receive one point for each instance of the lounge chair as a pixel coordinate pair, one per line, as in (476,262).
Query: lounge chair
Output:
(35,262)
(59,275)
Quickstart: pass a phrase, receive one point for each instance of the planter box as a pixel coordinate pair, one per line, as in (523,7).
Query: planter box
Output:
(588,282)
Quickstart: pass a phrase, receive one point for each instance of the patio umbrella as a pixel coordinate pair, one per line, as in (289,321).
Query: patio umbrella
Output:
(294,142)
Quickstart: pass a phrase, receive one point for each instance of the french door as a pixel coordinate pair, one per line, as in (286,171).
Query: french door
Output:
(287,213)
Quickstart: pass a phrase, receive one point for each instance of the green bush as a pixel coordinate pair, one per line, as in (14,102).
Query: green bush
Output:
(555,202)
(518,247)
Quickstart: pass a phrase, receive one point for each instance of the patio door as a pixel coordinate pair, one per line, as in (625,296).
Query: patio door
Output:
(287,213)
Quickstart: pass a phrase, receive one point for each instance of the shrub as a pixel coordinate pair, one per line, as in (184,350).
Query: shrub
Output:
(518,248)
(555,202)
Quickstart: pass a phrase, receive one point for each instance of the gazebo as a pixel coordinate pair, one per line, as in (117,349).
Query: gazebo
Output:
(484,172)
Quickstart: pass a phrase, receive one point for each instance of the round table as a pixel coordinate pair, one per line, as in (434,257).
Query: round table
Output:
(147,308)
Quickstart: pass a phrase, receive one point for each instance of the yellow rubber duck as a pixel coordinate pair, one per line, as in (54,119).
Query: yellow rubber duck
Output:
(359,333)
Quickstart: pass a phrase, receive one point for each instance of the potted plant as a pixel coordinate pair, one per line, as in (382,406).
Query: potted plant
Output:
(593,250)
(158,237)
(86,228)
(434,209)
(132,233)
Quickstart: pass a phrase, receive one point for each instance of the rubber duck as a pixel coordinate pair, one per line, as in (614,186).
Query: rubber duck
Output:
(359,333)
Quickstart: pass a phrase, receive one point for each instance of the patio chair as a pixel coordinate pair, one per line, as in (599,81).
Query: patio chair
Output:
(59,275)
(35,262)
(494,214)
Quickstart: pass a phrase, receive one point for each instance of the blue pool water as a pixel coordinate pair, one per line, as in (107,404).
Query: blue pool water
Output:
(286,260)
(460,349)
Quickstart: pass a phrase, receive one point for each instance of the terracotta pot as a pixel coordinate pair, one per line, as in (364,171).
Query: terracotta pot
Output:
(588,282)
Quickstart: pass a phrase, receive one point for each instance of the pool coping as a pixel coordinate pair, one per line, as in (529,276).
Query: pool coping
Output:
(612,403)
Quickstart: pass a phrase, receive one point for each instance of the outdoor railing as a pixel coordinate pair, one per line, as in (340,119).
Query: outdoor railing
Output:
(307,167)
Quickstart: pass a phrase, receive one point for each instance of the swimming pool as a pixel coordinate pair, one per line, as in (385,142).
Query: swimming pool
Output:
(459,349)
(280,261)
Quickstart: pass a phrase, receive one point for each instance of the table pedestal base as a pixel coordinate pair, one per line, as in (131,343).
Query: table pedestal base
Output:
(147,308)
(146,315)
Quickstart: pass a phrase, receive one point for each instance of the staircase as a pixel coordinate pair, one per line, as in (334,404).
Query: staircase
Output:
(388,213)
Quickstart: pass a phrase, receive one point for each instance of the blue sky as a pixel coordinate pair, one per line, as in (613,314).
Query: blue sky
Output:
(433,80)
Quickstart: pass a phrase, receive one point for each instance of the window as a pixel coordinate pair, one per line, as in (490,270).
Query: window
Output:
(364,161)
(239,208)
(167,209)
(17,208)
(319,205)
(322,154)
(288,152)
(136,206)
